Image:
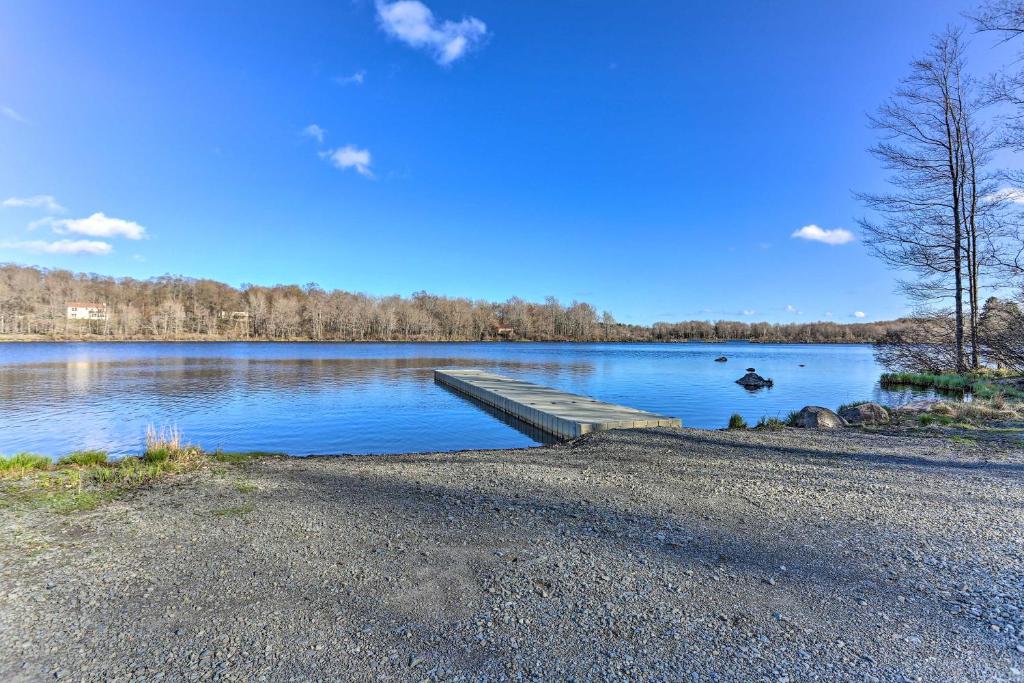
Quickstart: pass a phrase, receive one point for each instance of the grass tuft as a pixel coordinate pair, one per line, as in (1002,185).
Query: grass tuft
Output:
(85,479)
(83,459)
(736,421)
(769,424)
(23,463)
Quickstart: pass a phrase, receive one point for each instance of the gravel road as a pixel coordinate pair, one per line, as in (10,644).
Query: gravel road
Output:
(659,555)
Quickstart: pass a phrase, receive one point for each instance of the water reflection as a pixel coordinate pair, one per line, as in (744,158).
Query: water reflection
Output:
(373,398)
(524,428)
(25,387)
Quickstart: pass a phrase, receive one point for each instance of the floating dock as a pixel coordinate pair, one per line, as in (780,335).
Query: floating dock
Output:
(555,412)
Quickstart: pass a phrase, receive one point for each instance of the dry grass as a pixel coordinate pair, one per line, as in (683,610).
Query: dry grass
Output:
(979,411)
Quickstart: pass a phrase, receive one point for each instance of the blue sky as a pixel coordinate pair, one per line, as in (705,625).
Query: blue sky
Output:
(652,158)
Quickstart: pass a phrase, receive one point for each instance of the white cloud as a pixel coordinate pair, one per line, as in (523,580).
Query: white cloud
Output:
(790,308)
(351,157)
(412,22)
(858,314)
(816,234)
(39,201)
(355,79)
(61,246)
(101,225)
(749,311)
(314,131)
(828,314)
(13,115)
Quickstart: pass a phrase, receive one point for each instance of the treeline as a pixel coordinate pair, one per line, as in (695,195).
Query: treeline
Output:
(34,301)
(822,332)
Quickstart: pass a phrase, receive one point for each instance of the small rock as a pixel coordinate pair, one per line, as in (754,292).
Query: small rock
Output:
(752,380)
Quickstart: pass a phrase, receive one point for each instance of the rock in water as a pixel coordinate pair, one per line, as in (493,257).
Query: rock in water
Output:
(751,370)
(816,417)
(721,359)
(752,380)
(865,414)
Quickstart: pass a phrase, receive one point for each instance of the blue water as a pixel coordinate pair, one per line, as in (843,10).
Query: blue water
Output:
(381,398)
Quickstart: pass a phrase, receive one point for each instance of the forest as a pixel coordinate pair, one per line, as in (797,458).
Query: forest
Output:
(34,304)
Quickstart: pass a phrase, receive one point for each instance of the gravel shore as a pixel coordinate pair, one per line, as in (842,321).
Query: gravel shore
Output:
(660,555)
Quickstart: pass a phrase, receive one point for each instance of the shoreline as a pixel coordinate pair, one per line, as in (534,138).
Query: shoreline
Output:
(242,340)
(648,554)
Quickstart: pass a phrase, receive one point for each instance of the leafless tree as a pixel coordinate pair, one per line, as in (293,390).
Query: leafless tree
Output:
(33,302)
(1005,19)
(934,221)
(928,345)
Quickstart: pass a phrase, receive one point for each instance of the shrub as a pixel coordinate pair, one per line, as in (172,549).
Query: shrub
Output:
(736,421)
(791,419)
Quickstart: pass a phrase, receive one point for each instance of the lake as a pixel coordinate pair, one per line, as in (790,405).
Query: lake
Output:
(381,398)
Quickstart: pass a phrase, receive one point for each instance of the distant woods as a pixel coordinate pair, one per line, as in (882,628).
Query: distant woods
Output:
(949,216)
(34,303)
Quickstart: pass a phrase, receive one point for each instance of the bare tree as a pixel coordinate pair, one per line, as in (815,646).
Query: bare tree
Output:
(33,302)
(926,346)
(1005,19)
(932,144)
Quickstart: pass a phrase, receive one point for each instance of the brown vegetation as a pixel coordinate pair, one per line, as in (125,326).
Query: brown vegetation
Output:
(33,305)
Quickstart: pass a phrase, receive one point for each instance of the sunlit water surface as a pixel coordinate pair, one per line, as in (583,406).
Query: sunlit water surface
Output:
(381,398)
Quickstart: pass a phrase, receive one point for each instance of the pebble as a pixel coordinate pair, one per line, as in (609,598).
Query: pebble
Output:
(629,555)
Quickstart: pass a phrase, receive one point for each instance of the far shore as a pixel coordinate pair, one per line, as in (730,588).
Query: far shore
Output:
(35,339)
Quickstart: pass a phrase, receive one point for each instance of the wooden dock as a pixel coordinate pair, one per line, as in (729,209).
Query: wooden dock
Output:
(556,412)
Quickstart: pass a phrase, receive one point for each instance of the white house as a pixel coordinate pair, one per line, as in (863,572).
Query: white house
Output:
(78,310)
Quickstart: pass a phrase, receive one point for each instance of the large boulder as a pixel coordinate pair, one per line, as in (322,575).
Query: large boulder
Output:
(721,359)
(752,380)
(816,417)
(865,414)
